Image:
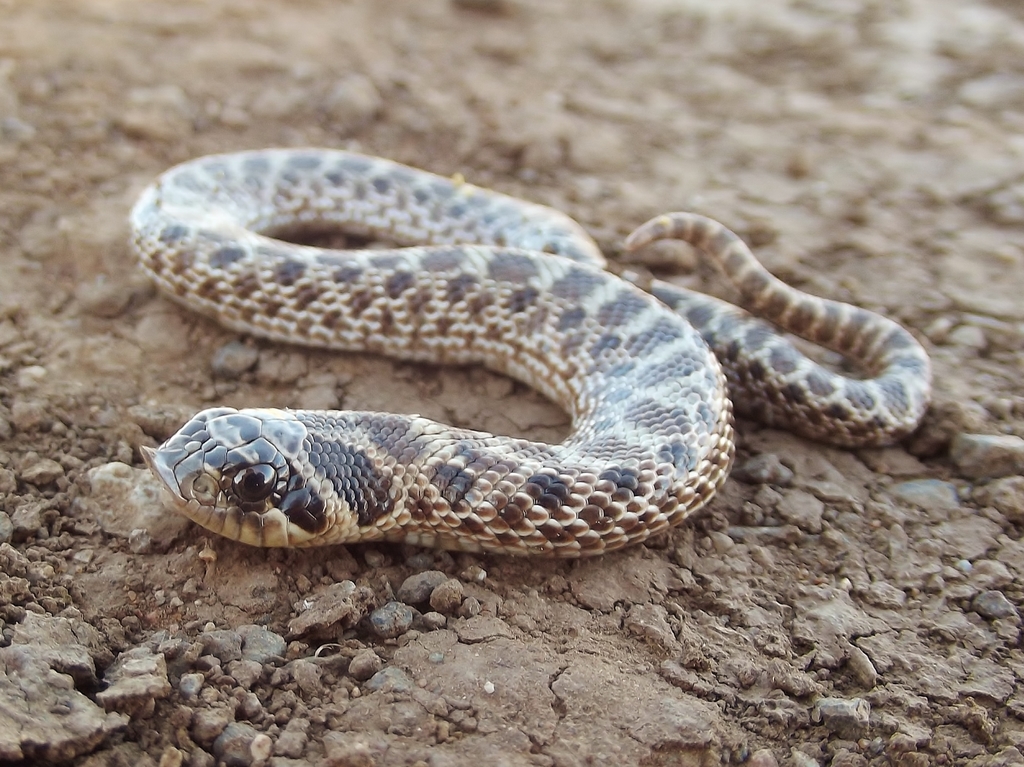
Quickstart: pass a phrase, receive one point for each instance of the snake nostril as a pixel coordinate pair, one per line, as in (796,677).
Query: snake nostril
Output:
(254,483)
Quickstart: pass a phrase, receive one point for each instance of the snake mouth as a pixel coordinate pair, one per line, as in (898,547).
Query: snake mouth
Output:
(156,460)
(266,529)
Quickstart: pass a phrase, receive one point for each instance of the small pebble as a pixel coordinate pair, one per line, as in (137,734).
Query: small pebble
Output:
(224,644)
(209,723)
(353,102)
(392,620)
(432,621)
(364,665)
(259,644)
(846,717)
(233,745)
(929,494)
(763,758)
(249,706)
(6,527)
(190,684)
(987,455)
(416,589)
(473,574)
(421,560)
(390,679)
(1005,495)
(307,676)
(993,605)
(469,608)
(764,469)
(447,597)
(233,359)
(42,472)
(245,672)
(140,541)
(862,668)
(261,747)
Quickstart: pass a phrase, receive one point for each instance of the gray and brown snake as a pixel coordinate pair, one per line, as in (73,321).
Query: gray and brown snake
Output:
(649,378)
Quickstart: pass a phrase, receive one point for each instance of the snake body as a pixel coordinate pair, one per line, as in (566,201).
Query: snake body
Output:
(484,278)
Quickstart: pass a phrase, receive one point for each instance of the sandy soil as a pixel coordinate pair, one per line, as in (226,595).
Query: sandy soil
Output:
(830,608)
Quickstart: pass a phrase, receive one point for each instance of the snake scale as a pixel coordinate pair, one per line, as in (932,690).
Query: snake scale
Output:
(488,279)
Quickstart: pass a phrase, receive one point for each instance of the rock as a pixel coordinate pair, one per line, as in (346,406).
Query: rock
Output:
(483,628)
(291,743)
(43,718)
(135,682)
(801,509)
(862,668)
(337,604)
(26,520)
(928,494)
(469,608)
(993,604)
(763,758)
(847,718)
(123,499)
(67,646)
(42,472)
(764,469)
(245,672)
(259,644)
(225,645)
(233,359)
(447,597)
(307,676)
(390,679)
(209,723)
(190,684)
(416,589)
(392,620)
(1005,495)
(989,574)
(365,664)
(233,746)
(432,621)
(980,456)
(261,748)
(6,527)
(353,102)
(651,622)
(885,595)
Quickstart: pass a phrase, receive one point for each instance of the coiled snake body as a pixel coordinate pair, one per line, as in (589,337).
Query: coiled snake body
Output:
(521,289)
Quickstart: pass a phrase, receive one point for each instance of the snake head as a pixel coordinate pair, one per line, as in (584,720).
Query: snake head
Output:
(238,474)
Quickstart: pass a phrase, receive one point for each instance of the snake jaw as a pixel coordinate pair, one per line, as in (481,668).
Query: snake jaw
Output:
(157,463)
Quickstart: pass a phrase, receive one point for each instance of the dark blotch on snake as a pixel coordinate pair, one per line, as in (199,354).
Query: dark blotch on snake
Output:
(511,267)
(571,318)
(783,359)
(289,271)
(576,284)
(522,300)
(354,478)
(304,161)
(173,233)
(819,383)
(442,260)
(226,256)
(398,283)
(623,307)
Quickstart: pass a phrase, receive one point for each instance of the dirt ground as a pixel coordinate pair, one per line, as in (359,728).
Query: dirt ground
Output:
(831,608)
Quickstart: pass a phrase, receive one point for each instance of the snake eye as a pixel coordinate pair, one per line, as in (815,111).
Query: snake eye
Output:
(254,483)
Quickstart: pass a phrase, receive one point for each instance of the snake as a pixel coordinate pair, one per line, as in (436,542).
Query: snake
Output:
(470,276)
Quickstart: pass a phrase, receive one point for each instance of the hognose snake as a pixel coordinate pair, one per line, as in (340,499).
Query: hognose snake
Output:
(520,288)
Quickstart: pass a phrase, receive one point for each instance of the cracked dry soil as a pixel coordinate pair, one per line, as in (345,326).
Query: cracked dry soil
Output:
(830,608)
